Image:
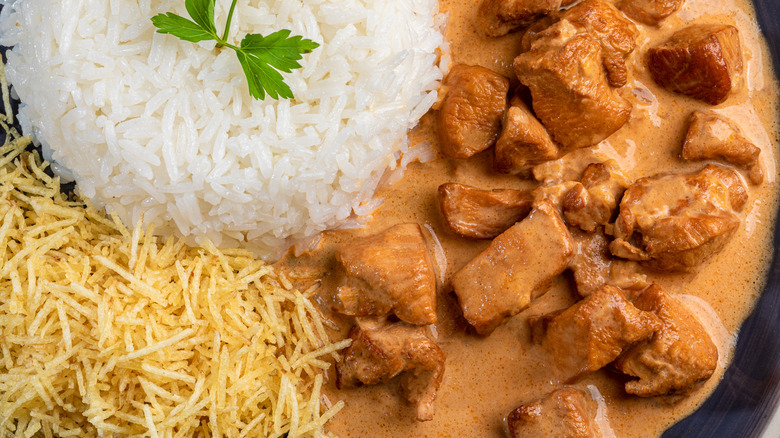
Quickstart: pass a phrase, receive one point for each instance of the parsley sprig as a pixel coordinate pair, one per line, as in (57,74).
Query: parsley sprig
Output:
(261,57)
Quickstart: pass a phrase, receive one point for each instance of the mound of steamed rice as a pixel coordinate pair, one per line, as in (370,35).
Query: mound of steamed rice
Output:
(147,123)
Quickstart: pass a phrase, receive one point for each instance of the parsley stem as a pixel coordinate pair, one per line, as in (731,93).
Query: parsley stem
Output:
(263,58)
(229,20)
(230,46)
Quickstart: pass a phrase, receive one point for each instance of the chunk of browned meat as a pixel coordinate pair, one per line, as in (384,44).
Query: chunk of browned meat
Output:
(593,266)
(594,200)
(593,332)
(503,279)
(569,167)
(675,222)
(482,214)
(616,34)
(703,61)
(523,142)
(617,72)
(388,272)
(627,275)
(565,413)
(679,356)
(553,192)
(496,18)
(469,119)
(591,262)
(536,31)
(714,137)
(570,93)
(381,351)
(602,20)
(649,11)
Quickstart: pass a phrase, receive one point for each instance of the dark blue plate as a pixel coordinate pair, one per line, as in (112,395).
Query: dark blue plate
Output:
(748,396)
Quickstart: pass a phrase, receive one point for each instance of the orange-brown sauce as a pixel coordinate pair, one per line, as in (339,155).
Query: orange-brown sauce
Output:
(487,377)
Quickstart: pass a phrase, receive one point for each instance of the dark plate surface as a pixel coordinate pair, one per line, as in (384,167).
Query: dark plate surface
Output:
(749,394)
(746,399)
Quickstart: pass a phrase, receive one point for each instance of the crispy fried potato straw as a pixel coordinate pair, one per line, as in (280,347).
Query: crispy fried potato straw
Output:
(107,332)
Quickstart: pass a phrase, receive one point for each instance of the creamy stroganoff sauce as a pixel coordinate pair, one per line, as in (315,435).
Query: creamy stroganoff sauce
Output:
(487,377)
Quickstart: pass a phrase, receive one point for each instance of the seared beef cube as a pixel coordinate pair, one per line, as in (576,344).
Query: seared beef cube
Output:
(591,262)
(617,72)
(569,167)
(603,21)
(537,31)
(593,266)
(388,272)
(566,413)
(703,61)
(679,356)
(675,222)
(594,200)
(649,11)
(469,120)
(496,18)
(381,351)
(616,34)
(503,279)
(482,214)
(523,143)
(714,137)
(627,276)
(594,331)
(553,192)
(570,93)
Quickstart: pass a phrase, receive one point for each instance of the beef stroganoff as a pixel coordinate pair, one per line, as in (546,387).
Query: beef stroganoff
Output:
(547,218)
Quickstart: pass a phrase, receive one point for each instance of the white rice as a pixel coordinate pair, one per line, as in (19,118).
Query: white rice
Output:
(150,124)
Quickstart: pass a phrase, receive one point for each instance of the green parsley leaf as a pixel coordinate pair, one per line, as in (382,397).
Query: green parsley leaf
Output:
(202,12)
(261,57)
(278,49)
(180,27)
(262,78)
